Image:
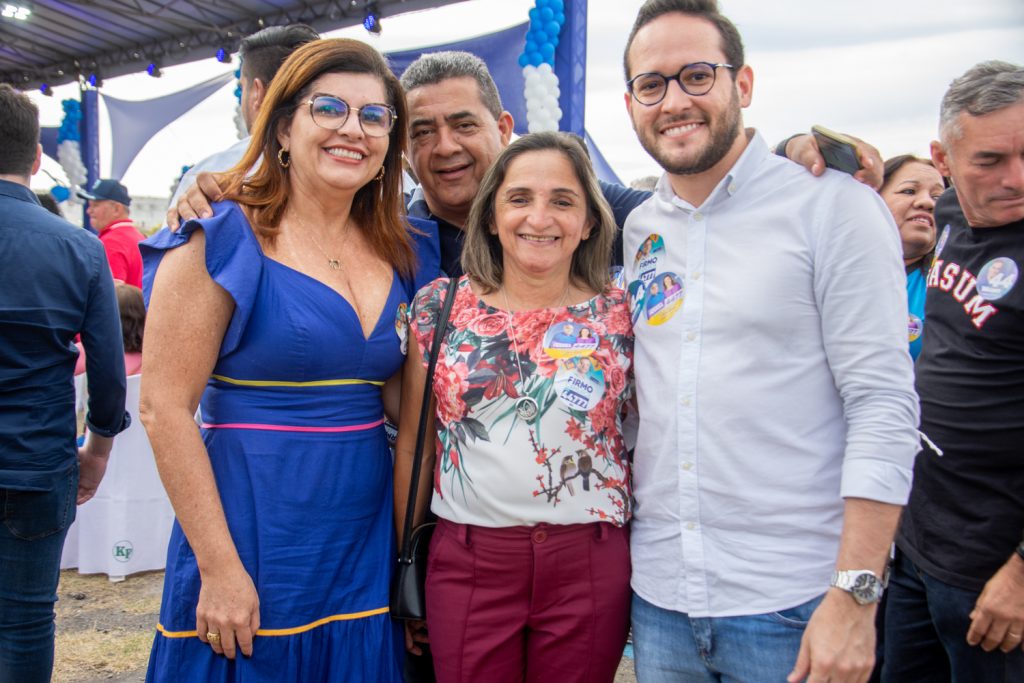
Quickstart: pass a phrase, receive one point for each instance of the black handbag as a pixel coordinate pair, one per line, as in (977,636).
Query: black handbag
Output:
(408,583)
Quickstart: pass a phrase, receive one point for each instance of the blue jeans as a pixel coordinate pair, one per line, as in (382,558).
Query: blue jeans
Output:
(671,647)
(926,623)
(33,525)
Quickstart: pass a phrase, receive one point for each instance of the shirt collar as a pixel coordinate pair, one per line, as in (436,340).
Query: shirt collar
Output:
(735,179)
(117,224)
(17,191)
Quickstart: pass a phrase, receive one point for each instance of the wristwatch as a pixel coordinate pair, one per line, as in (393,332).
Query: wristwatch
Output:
(862,584)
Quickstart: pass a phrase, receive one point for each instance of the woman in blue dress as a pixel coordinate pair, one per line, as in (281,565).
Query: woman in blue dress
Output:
(276,318)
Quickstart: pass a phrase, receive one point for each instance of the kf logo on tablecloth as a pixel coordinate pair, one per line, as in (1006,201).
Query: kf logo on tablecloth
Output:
(123,551)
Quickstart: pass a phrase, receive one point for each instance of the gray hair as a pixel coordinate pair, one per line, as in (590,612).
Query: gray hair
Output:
(985,88)
(482,252)
(434,67)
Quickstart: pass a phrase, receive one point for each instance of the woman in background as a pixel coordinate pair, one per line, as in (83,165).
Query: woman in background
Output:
(132,309)
(910,188)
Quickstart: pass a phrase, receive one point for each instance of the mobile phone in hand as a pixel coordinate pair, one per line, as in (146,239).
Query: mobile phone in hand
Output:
(838,150)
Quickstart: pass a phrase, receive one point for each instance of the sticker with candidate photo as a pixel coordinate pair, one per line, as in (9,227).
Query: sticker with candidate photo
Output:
(618,276)
(663,298)
(997,278)
(579,382)
(568,339)
(915,326)
(402,327)
(636,291)
(647,257)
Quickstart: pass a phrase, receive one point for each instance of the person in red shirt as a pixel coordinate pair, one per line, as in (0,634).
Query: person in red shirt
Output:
(108,212)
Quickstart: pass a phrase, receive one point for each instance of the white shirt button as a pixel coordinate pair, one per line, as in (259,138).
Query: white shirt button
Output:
(698,216)
(687,466)
(691,526)
(685,402)
(732,188)
(696,275)
(690,336)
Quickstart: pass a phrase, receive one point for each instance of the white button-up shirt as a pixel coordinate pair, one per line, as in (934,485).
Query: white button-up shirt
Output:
(773,381)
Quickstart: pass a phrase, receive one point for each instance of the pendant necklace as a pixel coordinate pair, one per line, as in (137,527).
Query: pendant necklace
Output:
(526,406)
(333,263)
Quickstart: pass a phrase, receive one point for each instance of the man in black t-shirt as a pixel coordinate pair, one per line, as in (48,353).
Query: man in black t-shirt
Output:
(956,599)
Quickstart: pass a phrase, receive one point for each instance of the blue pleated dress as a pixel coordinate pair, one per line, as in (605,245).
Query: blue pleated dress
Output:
(293,423)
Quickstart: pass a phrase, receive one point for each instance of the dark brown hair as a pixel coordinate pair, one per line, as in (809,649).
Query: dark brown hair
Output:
(133,316)
(263,52)
(732,43)
(377,209)
(895,163)
(19,132)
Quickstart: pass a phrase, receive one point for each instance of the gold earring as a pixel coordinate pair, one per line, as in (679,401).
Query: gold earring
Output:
(380,176)
(284,158)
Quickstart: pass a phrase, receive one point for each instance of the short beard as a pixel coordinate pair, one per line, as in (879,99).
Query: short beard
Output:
(722,140)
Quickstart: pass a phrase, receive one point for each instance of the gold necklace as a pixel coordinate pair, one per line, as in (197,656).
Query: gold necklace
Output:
(527,407)
(332,263)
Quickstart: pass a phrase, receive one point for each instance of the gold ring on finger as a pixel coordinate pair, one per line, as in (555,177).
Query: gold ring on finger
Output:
(213,637)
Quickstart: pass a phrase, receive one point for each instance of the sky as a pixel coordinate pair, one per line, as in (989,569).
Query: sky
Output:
(876,69)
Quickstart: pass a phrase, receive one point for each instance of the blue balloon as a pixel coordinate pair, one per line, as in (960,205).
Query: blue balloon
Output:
(554,40)
(536,58)
(546,14)
(542,3)
(556,5)
(560,18)
(524,59)
(553,28)
(547,50)
(534,14)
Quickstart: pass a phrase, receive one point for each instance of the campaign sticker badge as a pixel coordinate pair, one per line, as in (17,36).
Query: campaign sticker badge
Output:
(663,298)
(941,243)
(915,326)
(997,278)
(567,339)
(646,261)
(579,382)
(618,276)
(402,327)
(636,291)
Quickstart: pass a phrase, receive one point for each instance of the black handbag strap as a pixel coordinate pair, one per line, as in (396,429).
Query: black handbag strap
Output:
(428,388)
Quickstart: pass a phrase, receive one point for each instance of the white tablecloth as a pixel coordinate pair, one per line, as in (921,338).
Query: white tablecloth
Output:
(124,529)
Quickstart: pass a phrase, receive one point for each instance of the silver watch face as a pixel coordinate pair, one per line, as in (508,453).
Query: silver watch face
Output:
(866,588)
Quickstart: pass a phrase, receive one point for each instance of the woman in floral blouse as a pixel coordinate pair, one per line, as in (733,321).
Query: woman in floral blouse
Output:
(528,577)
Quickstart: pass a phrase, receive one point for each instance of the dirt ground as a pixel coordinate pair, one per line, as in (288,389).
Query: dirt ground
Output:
(105,630)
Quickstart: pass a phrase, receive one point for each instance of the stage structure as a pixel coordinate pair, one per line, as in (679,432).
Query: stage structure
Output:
(554,42)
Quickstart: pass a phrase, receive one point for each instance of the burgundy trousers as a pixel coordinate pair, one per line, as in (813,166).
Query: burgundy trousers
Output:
(542,604)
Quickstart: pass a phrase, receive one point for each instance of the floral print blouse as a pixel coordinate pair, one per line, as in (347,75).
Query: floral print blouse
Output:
(569,464)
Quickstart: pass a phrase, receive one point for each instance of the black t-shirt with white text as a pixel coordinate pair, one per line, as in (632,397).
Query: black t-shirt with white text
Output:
(966,508)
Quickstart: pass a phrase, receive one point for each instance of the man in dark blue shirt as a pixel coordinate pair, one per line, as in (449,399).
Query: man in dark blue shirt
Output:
(54,285)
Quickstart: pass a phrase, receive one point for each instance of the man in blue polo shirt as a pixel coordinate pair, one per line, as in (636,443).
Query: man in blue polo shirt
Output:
(54,285)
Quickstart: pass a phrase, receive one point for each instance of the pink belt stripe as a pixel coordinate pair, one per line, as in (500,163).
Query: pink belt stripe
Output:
(289,428)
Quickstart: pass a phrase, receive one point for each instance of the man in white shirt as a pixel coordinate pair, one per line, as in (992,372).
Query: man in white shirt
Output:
(262,54)
(778,415)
